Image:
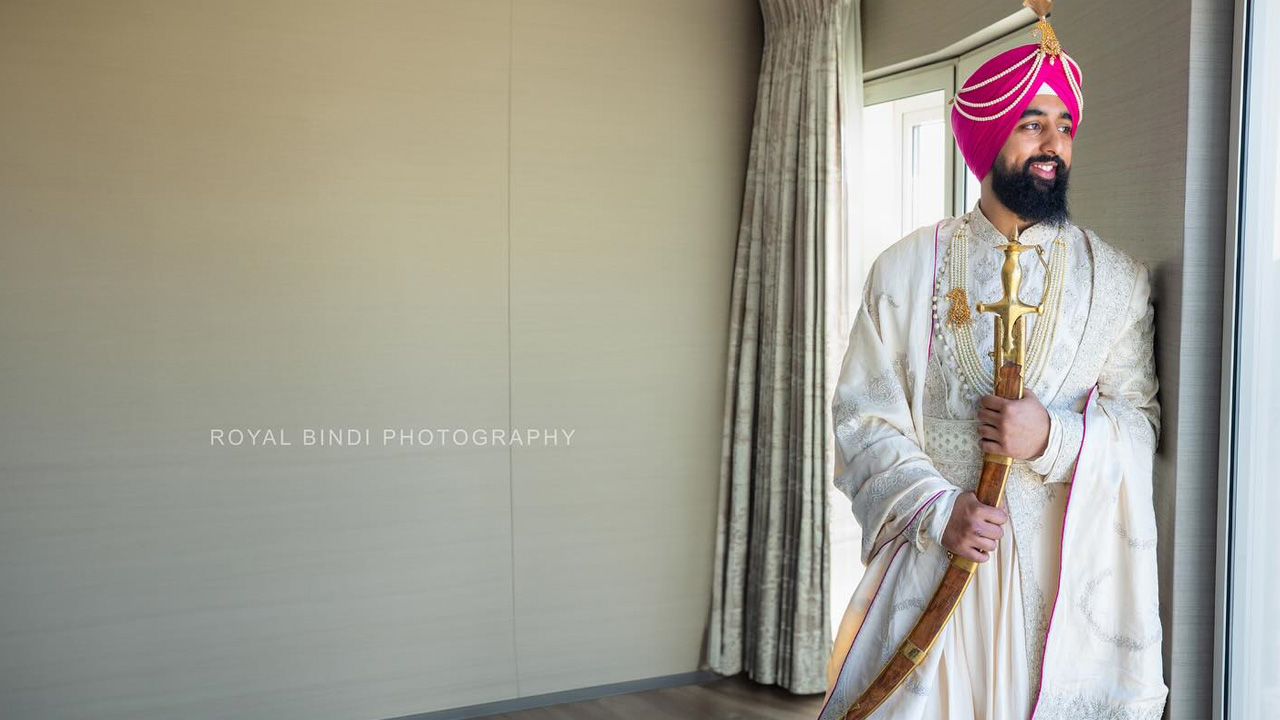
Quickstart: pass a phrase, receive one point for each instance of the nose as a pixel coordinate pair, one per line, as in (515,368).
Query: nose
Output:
(1053,145)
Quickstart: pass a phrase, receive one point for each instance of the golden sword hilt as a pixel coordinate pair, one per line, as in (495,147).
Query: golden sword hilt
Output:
(1010,311)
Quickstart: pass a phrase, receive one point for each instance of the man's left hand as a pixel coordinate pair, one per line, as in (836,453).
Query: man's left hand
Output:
(1014,428)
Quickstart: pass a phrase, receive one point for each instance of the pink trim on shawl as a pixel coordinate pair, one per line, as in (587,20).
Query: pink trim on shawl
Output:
(875,595)
(933,284)
(913,518)
(1084,427)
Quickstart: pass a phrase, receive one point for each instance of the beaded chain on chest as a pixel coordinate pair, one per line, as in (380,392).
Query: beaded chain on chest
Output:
(960,312)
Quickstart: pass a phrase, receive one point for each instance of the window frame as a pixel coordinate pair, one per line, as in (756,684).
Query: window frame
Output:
(1238,207)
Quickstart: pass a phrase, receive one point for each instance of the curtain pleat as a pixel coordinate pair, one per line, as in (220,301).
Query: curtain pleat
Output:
(770,598)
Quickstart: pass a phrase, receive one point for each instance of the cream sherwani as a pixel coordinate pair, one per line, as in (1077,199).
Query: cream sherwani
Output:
(1062,621)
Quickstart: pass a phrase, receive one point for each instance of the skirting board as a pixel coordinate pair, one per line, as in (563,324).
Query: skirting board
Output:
(566,696)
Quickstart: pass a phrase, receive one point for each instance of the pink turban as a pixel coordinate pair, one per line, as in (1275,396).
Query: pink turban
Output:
(990,103)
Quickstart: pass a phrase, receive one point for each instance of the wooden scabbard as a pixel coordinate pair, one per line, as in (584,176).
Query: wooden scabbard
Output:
(995,472)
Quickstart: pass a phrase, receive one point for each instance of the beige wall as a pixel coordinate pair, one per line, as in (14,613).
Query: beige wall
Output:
(1148,174)
(896,31)
(288,214)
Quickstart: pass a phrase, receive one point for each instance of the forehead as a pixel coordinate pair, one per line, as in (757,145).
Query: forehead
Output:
(1050,105)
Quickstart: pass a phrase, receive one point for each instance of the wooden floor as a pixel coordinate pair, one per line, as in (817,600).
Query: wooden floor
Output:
(734,698)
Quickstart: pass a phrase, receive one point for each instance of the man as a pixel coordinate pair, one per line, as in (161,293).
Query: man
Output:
(1061,618)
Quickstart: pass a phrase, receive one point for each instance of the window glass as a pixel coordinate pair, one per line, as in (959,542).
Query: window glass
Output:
(1253,644)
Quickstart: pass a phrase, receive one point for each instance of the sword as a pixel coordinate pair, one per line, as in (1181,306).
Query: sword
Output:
(1010,355)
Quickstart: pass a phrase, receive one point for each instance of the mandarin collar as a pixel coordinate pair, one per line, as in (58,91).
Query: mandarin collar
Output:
(1039,234)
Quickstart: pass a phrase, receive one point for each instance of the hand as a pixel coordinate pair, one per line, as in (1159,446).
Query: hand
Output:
(1014,428)
(974,528)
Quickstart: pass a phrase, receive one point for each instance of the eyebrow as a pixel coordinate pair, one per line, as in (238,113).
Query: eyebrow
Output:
(1033,111)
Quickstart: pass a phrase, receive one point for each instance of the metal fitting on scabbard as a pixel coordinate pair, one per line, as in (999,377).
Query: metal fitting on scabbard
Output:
(912,652)
(963,563)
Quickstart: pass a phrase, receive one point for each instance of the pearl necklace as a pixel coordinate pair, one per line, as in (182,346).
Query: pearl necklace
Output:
(960,313)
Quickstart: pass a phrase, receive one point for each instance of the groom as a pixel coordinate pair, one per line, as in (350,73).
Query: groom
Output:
(1067,582)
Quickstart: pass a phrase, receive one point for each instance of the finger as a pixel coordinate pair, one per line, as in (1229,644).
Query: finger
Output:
(991,530)
(992,402)
(992,446)
(979,548)
(976,554)
(988,514)
(991,417)
(983,543)
(990,432)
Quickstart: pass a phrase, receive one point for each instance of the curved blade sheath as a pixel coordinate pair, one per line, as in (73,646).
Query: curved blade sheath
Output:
(995,472)
(1010,354)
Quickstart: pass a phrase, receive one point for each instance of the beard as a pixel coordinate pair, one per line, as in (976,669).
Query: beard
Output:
(1031,197)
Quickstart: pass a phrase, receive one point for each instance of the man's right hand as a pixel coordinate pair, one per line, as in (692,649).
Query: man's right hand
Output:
(973,528)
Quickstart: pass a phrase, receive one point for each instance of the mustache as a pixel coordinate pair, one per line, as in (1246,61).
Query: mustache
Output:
(1057,161)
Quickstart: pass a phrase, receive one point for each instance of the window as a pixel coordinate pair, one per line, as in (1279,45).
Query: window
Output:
(1250,586)
(904,171)
(904,159)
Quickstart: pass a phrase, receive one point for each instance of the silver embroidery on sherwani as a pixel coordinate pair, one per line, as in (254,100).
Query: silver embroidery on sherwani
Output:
(951,436)
(1035,502)
(1090,510)
(1055,706)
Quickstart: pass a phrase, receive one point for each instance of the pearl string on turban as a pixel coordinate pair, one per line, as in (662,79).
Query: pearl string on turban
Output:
(990,103)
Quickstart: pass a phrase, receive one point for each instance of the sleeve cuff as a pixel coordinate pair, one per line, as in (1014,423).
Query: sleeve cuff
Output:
(1043,464)
(933,521)
(1070,435)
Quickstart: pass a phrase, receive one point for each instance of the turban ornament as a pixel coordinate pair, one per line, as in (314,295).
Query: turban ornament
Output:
(990,103)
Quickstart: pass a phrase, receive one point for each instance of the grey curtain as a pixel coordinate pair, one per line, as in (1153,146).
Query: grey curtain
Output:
(770,612)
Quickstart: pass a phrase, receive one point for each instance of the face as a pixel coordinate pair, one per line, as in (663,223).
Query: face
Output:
(1030,174)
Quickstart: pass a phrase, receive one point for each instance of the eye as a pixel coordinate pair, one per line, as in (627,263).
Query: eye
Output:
(1032,126)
